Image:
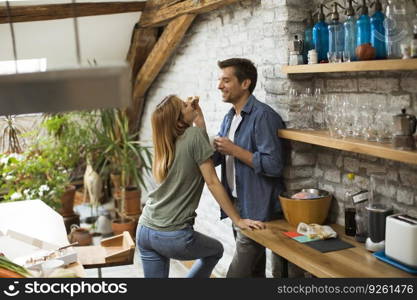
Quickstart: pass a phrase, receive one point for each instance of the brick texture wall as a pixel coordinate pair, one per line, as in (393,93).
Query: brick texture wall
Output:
(260,30)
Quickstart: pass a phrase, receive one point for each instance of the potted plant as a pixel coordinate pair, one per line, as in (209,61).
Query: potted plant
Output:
(45,170)
(120,151)
(11,141)
(34,175)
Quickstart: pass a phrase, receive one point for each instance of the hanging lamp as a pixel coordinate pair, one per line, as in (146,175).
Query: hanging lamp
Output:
(77,88)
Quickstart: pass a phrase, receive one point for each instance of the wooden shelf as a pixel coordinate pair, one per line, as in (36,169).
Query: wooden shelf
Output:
(322,138)
(357,66)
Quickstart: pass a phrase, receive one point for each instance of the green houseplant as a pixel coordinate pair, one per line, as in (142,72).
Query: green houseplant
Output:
(34,174)
(118,151)
(47,167)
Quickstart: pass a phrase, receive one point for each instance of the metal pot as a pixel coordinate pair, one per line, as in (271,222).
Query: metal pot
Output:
(80,235)
(404,124)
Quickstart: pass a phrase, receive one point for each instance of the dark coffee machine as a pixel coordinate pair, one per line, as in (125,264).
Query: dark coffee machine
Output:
(377,214)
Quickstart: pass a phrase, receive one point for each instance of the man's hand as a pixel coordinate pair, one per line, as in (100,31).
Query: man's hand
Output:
(224,146)
(250,224)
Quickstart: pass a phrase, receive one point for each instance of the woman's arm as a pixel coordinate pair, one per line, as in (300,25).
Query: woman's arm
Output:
(219,193)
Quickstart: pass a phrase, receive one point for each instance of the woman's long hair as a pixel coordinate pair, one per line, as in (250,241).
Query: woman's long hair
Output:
(167,126)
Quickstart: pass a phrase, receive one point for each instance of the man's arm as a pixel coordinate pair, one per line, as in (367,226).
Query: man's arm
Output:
(225,146)
(268,160)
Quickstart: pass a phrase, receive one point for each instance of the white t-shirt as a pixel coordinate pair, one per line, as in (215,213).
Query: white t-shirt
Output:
(230,160)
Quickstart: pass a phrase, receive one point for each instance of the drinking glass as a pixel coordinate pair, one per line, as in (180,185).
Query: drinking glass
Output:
(346,56)
(294,108)
(330,57)
(338,56)
(384,127)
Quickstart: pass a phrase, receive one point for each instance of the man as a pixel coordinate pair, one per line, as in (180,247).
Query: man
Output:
(250,153)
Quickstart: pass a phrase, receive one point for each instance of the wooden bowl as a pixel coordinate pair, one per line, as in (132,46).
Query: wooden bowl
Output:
(309,211)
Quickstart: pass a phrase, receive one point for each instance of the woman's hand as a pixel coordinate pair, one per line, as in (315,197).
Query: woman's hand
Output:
(199,116)
(250,224)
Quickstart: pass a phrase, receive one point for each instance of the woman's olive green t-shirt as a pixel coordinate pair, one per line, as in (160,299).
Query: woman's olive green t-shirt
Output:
(171,206)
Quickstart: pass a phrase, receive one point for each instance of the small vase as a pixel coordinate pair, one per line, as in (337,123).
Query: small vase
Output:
(67,201)
(132,205)
(125,224)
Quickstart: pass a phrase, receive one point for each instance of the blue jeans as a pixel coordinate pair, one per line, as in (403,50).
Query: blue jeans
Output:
(158,247)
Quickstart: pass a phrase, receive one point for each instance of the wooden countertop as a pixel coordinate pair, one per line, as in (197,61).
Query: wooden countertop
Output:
(351,263)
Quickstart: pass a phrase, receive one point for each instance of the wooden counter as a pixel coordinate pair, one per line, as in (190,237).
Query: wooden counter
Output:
(352,262)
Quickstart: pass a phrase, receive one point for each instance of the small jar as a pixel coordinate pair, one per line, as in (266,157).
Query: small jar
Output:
(405,50)
(293,59)
(312,57)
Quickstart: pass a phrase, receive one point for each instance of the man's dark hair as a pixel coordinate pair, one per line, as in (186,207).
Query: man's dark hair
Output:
(244,69)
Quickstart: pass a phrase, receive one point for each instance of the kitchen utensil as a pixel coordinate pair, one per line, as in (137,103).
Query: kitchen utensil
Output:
(401,239)
(404,128)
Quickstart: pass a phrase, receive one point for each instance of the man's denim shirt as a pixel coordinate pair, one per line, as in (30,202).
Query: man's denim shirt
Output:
(258,188)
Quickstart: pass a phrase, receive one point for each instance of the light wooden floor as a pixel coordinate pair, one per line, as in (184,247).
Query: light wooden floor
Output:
(177,270)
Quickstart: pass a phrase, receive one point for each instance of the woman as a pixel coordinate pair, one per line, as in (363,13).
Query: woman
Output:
(182,163)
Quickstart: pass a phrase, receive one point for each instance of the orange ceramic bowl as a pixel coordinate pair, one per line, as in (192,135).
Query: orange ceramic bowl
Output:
(309,211)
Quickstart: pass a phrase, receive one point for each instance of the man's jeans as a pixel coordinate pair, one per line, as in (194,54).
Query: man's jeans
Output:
(157,247)
(249,260)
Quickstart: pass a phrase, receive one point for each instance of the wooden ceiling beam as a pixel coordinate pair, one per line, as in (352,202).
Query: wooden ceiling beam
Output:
(163,49)
(166,45)
(158,13)
(29,13)
(142,42)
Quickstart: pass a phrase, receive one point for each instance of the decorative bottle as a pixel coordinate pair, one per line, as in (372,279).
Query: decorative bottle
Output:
(336,32)
(397,28)
(321,36)
(363,25)
(350,211)
(308,37)
(350,32)
(378,31)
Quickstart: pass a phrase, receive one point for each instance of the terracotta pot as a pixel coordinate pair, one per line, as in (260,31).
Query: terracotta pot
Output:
(116,182)
(80,235)
(68,221)
(67,201)
(132,202)
(125,224)
(79,197)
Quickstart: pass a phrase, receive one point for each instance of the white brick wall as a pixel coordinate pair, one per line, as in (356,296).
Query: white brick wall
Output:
(260,30)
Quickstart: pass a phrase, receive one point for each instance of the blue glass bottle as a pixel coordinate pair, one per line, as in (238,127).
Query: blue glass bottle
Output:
(308,37)
(378,31)
(350,32)
(363,25)
(321,37)
(336,32)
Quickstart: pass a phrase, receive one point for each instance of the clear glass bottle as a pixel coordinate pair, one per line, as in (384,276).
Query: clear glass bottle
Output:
(414,41)
(350,32)
(349,209)
(397,28)
(378,31)
(321,36)
(336,32)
